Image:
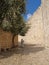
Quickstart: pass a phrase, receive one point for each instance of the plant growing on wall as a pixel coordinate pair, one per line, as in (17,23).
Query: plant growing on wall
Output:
(11,18)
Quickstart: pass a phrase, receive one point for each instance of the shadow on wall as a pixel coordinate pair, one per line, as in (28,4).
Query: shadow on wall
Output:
(28,48)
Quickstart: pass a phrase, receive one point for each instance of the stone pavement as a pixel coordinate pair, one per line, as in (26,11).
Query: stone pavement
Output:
(31,54)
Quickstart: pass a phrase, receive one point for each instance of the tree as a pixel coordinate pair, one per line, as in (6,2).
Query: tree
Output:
(3,9)
(13,20)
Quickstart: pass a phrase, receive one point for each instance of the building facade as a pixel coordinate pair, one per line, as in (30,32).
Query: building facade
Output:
(6,40)
(39,25)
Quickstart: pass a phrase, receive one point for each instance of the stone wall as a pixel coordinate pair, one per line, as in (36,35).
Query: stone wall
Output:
(35,35)
(45,20)
(6,39)
(39,26)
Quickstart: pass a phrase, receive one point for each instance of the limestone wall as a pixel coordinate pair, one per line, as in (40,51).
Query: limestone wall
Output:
(45,20)
(39,29)
(6,39)
(35,34)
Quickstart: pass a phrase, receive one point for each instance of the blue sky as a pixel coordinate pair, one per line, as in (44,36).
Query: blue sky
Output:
(31,7)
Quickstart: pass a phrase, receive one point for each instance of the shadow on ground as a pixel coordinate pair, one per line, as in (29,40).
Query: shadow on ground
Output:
(28,48)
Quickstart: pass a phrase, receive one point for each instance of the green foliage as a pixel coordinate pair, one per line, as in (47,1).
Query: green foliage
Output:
(3,9)
(11,16)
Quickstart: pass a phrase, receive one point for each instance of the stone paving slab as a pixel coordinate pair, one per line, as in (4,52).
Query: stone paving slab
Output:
(29,55)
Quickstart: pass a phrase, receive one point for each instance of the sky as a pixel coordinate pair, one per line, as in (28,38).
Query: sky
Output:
(31,7)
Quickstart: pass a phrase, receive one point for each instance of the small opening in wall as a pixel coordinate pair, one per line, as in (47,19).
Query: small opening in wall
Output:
(7,49)
(2,50)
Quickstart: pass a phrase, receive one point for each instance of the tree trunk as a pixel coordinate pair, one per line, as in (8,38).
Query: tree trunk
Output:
(13,45)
